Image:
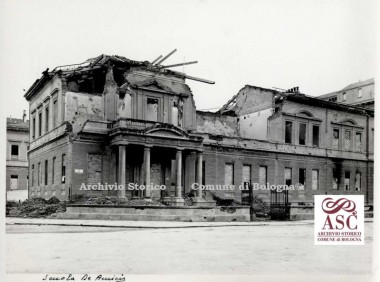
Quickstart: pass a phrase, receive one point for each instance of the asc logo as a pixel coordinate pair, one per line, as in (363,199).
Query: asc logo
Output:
(339,219)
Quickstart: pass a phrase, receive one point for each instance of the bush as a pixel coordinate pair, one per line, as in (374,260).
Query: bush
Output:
(36,207)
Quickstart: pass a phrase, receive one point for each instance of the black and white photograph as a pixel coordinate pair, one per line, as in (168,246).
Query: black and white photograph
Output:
(194,140)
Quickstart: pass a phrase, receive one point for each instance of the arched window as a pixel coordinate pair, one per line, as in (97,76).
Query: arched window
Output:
(304,114)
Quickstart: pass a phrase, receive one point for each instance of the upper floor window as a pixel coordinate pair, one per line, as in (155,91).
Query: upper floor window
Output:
(344,96)
(302,134)
(46,119)
(63,169)
(152,109)
(347,140)
(358,141)
(335,143)
(288,132)
(14,151)
(39,123)
(360,94)
(34,128)
(55,113)
(333,99)
(316,135)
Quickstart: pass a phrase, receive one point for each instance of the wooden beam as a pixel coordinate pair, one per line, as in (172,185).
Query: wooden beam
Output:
(183,64)
(159,57)
(200,79)
(167,56)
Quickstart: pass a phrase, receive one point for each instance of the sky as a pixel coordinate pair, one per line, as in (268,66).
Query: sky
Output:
(320,46)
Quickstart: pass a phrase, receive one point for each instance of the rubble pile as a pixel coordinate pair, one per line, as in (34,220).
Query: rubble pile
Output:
(36,207)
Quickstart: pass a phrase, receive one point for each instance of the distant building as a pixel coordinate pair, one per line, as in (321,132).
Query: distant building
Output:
(17,159)
(360,94)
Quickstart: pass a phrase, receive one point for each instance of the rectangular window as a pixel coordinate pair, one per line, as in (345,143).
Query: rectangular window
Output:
(288,176)
(229,174)
(302,177)
(302,134)
(315,179)
(14,151)
(344,96)
(39,123)
(39,174)
(358,181)
(46,119)
(347,140)
(175,114)
(347,181)
(63,169)
(316,135)
(335,138)
(262,175)
(53,171)
(55,113)
(246,174)
(33,183)
(335,179)
(288,132)
(46,171)
(14,182)
(333,99)
(360,94)
(152,109)
(94,169)
(34,128)
(358,141)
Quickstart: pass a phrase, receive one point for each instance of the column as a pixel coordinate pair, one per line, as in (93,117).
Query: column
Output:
(199,173)
(147,171)
(122,168)
(178,188)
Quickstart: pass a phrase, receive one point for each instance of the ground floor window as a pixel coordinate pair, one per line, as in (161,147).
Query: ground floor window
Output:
(302,177)
(347,181)
(335,179)
(315,179)
(229,174)
(14,182)
(358,181)
(288,176)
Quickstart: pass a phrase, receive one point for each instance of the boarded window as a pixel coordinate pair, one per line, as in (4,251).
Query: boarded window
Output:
(302,134)
(347,181)
(47,119)
(63,179)
(288,132)
(152,109)
(315,179)
(262,175)
(46,171)
(94,169)
(14,182)
(288,176)
(14,150)
(246,174)
(335,179)
(335,138)
(302,177)
(316,135)
(53,171)
(358,141)
(358,181)
(229,174)
(347,140)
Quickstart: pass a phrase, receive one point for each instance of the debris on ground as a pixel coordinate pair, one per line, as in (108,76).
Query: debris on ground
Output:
(35,207)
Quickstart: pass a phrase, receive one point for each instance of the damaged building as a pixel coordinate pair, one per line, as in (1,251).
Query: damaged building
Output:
(114,120)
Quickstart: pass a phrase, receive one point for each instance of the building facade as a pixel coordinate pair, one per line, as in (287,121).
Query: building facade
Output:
(17,159)
(116,121)
(360,94)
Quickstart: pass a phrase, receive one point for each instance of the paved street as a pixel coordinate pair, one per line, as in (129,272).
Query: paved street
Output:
(274,248)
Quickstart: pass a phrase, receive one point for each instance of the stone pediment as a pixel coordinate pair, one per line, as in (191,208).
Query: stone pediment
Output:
(166,130)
